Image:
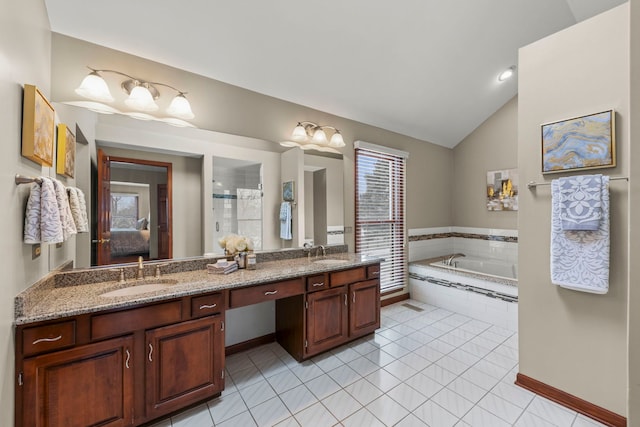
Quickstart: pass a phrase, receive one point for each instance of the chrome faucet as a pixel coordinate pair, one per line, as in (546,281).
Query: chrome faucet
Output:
(140,270)
(321,248)
(307,248)
(449,260)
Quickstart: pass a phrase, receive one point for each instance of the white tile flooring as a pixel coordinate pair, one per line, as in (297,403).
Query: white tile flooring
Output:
(432,368)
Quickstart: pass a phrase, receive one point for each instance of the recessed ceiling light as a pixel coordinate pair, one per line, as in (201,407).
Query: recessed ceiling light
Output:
(507,74)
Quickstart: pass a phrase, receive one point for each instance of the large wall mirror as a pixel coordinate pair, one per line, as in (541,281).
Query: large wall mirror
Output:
(220,184)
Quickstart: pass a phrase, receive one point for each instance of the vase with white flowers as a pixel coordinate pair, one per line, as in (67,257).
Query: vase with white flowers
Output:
(237,247)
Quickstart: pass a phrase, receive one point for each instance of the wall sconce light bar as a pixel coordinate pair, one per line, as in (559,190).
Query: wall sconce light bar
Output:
(142,94)
(311,136)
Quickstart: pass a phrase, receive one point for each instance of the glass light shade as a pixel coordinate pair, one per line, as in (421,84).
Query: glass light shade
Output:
(299,133)
(180,108)
(140,99)
(319,137)
(94,87)
(336,140)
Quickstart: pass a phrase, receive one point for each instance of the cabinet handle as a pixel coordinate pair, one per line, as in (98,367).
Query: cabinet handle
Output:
(318,284)
(38,341)
(271,292)
(345,299)
(354,297)
(222,326)
(126,363)
(150,352)
(375,273)
(203,306)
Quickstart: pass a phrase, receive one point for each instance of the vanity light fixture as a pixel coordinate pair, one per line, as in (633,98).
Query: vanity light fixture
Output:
(507,74)
(311,136)
(142,96)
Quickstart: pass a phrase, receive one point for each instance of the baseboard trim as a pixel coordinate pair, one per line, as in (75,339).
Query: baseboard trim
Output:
(577,404)
(393,300)
(249,344)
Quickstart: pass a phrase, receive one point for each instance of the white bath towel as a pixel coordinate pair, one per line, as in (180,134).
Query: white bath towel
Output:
(66,218)
(83,211)
(42,217)
(580,259)
(78,211)
(285,221)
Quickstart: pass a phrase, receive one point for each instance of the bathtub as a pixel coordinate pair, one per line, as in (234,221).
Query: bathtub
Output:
(482,288)
(481,266)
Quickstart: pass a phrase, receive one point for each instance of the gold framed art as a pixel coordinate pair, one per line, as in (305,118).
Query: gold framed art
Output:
(66,157)
(586,142)
(38,127)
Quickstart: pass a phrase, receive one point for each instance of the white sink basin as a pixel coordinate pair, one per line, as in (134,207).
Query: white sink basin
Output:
(330,261)
(139,289)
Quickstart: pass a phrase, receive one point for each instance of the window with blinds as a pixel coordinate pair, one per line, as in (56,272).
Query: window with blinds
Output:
(380,227)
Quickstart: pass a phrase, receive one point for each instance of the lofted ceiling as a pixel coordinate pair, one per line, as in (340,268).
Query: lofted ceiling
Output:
(423,68)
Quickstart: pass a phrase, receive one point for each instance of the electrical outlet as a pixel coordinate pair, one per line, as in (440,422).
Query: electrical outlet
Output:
(35,251)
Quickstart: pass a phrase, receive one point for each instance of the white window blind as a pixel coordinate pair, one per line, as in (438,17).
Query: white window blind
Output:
(380,208)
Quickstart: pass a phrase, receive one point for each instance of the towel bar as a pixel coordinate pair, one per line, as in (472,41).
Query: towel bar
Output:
(533,184)
(27,179)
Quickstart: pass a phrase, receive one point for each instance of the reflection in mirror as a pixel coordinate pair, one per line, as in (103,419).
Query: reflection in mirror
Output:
(323,200)
(237,200)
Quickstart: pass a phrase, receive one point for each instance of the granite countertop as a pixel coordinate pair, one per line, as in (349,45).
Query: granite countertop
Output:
(52,299)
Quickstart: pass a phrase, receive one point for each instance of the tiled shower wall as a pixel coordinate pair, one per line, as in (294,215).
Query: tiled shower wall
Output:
(479,242)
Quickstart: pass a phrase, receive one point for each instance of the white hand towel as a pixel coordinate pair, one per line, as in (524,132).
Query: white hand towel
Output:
(66,218)
(285,221)
(79,217)
(580,202)
(83,211)
(32,216)
(580,259)
(50,225)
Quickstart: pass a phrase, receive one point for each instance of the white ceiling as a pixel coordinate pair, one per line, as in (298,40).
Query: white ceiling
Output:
(423,68)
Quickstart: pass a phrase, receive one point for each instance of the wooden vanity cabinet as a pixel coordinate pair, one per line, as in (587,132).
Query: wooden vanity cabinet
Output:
(184,364)
(341,307)
(124,367)
(88,385)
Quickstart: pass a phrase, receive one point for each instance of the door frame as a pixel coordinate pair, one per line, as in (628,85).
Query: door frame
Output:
(103,209)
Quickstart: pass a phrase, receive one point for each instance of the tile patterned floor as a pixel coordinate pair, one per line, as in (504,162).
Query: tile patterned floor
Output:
(431,368)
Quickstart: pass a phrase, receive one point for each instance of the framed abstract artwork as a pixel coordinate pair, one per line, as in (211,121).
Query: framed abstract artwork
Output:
(66,157)
(502,190)
(38,127)
(586,142)
(288,191)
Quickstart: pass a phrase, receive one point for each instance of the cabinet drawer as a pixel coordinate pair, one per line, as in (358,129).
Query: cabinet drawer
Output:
(206,305)
(48,337)
(318,282)
(135,319)
(373,271)
(340,278)
(261,293)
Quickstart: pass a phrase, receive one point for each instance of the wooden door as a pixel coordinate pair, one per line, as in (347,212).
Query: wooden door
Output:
(184,364)
(103,234)
(364,311)
(164,222)
(327,324)
(89,385)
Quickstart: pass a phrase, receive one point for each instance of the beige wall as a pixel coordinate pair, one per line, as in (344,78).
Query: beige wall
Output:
(25,56)
(634,215)
(571,340)
(492,146)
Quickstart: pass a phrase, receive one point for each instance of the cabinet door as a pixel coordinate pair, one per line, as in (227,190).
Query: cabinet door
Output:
(327,323)
(184,364)
(88,385)
(364,313)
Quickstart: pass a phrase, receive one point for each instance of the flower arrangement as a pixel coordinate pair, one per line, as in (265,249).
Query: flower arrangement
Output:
(233,244)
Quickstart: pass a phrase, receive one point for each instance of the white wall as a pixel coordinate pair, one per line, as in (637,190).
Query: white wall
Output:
(634,216)
(574,341)
(25,57)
